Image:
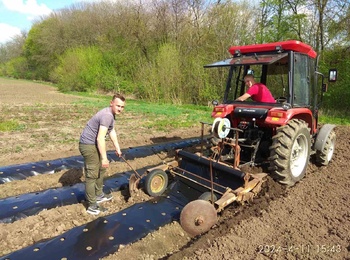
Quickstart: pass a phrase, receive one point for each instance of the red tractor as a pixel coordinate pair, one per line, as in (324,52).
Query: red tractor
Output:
(279,137)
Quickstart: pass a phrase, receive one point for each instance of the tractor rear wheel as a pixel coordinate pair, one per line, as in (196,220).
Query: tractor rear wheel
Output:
(290,152)
(324,156)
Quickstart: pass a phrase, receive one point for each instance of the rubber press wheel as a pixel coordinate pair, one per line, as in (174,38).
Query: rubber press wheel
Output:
(197,217)
(208,197)
(156,182)
(324,156)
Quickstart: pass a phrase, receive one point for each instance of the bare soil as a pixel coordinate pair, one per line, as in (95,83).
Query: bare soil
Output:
(308,221)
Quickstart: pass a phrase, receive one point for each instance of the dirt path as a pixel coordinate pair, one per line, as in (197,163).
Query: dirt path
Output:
(308,221)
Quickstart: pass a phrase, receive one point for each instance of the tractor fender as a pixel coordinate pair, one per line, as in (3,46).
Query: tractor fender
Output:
(322,136)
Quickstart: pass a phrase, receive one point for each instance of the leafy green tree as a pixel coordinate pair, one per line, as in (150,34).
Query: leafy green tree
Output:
(88,69)
(281,20)
(39,49)
(16,68)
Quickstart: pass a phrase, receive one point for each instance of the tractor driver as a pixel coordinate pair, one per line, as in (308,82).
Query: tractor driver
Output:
(257,91)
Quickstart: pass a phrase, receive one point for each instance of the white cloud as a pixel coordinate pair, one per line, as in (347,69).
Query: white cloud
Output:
(7,32)
(30,7)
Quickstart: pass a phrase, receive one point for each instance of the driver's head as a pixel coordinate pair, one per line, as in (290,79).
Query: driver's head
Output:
(249,80)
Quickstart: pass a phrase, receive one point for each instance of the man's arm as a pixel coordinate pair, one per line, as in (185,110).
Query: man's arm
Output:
(101,145)
(243,97)
(114,138)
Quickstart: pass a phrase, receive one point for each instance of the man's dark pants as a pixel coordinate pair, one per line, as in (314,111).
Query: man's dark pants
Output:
(94,172)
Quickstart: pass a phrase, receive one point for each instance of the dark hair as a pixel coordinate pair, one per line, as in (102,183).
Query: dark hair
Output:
(120,96)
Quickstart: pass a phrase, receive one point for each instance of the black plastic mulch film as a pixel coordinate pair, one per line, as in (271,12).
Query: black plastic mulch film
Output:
(17,207)
(104,235)
(23,171)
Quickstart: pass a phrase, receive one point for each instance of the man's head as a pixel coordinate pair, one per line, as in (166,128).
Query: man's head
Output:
(117,104)
(249,80)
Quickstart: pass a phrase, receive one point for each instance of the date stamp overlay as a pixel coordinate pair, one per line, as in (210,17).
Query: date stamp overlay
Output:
(302,248)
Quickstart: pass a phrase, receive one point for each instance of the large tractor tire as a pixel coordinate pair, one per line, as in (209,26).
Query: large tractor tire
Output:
(290,152)
(324,155)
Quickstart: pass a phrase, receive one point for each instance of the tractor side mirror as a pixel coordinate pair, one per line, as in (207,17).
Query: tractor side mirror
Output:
(332,75)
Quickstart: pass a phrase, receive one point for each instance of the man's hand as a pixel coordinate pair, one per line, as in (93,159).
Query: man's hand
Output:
(118,152)
(105,163)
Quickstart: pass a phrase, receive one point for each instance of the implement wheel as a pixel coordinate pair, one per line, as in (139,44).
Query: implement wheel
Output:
(197,217)
(290,152)
(324,156)
(156,182)
(207,197)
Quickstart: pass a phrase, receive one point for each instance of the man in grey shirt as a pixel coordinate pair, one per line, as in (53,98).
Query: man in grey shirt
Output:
(92,146)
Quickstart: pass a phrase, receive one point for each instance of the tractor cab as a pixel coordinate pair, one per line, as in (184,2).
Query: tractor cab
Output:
(288,69)
(279,136)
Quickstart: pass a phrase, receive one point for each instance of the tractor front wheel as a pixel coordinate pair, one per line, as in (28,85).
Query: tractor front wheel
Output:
(290,152)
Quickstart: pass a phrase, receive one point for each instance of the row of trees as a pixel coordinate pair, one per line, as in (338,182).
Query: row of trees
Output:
(156,49)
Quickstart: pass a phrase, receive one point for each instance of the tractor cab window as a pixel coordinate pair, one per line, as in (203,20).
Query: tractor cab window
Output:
(301,81)
(273,75)
(270,69)
(277,79)
(256,71)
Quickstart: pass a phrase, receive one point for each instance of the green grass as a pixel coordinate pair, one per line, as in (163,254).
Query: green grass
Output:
(335,117)
(159,116)
(165,115)
(334,120)
(11,125)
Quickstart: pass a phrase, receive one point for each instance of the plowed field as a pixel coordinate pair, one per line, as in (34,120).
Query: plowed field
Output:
(308,221)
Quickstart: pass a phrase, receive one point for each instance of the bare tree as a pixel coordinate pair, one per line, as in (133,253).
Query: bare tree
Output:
(13,48)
